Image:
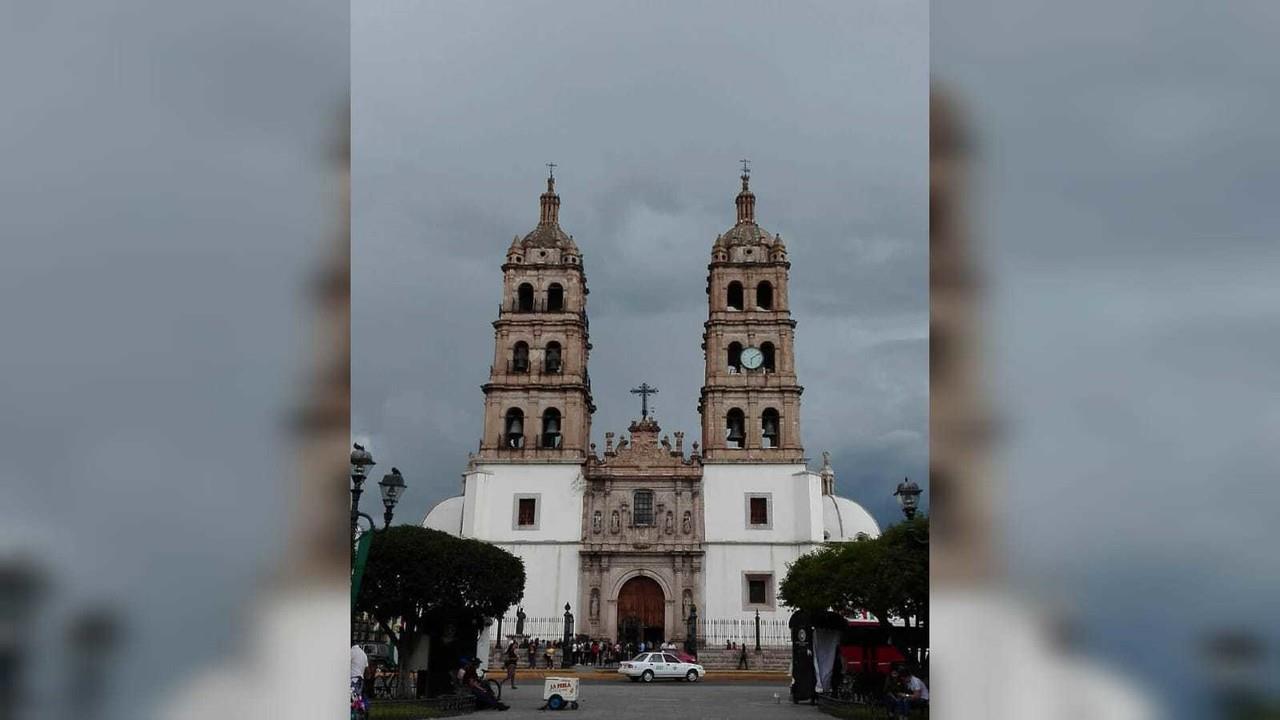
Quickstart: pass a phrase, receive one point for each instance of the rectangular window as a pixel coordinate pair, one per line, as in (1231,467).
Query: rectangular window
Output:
(643,507)
(758,591)
(528,514)
(759,510)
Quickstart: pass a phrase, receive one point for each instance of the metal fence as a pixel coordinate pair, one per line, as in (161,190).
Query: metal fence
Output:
(717,631)
(546,628)
(711,631)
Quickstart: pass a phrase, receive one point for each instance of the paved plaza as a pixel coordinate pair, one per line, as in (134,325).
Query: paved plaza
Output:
(696,701)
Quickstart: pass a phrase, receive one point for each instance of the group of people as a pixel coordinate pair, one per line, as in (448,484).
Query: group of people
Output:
(597,653)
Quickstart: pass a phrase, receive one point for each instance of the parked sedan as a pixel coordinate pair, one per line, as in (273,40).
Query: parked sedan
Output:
(649,666)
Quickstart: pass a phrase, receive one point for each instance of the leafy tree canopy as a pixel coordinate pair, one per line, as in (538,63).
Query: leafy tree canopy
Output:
(886,576)
(426,577)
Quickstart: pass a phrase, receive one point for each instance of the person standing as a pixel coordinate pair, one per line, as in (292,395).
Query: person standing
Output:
(509,662)
(742,658)
(359,666)
(533,652)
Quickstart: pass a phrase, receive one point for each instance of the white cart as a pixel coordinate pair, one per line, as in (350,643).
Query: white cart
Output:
(560,693)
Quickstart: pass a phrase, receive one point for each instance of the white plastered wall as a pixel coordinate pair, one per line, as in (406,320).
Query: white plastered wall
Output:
(549,550)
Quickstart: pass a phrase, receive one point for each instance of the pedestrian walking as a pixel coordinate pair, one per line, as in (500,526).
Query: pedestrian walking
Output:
(510,663)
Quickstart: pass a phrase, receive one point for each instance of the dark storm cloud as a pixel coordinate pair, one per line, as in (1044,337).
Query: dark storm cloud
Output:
(455,110)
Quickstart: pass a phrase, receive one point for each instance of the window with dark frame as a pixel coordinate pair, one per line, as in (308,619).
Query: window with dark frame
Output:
(759,511)
(642,504)
(758,590)
(528,512)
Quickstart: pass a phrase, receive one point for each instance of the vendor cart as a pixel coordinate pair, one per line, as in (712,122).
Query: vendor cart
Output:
(560,693)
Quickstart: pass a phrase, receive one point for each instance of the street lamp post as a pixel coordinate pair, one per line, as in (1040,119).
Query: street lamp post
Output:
(361,461)
(908,494)
(757,629)
(392,487)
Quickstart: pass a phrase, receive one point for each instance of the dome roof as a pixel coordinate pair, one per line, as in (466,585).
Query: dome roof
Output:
(745,233)
(548,233)
(844,519)
(446,516)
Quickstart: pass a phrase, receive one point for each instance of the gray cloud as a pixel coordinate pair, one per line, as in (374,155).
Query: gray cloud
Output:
(454,112)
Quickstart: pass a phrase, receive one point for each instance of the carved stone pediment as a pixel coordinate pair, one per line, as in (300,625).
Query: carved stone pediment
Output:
(644,448)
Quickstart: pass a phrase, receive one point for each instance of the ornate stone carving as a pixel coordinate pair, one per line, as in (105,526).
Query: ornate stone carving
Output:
(686,525)
(616,524)
(596,522)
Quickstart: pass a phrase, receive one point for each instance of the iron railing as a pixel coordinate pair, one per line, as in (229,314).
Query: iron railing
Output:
(712,632)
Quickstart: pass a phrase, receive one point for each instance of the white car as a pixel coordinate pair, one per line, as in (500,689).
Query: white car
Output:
(651,665)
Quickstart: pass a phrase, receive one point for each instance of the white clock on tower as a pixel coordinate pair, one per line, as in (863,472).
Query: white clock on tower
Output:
(752,358)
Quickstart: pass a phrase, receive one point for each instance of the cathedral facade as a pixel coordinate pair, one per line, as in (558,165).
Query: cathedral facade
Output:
(635,536)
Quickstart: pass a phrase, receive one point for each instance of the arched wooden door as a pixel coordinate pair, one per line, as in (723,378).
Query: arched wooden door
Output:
(642,611)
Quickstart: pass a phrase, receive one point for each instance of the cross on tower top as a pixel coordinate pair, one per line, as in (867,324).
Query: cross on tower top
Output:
(746,166)
(644,391)
(551,170)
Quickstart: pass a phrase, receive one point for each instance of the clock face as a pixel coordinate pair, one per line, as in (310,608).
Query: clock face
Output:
(752,358)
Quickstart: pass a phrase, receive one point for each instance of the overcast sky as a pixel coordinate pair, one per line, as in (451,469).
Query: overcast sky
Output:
(457,107)
(1125,185)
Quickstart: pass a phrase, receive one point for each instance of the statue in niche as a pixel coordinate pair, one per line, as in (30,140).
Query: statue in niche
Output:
(615,524)
(686,601)
(596,522)
(595,604)
(687,524)
(670,522)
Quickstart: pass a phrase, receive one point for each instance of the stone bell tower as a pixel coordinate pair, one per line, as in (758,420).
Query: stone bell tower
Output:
(750,401)
(538,402)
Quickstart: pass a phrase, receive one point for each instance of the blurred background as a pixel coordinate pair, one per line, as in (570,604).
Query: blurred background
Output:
(171,186)
(173,221)
(1106,186)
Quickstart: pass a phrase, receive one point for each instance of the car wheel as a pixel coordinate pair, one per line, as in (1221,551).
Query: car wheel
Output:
(555,702)
(647,676)
(691,676)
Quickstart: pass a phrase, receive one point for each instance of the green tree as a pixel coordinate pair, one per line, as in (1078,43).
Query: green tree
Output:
(887,576)
(429,579)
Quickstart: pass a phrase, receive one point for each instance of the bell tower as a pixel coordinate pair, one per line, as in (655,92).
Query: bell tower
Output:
(750,403)
(538,402)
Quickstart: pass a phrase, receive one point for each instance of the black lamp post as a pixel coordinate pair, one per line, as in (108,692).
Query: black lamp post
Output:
(757,629)
(361,461)
(392,487)
(908,494)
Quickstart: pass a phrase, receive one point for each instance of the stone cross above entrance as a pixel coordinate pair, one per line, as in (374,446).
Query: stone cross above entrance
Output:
(644,391)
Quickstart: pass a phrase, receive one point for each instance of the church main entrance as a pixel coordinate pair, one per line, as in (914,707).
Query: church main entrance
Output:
(642,611)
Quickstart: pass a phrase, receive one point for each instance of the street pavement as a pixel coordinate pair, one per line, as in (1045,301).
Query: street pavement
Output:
(663,699)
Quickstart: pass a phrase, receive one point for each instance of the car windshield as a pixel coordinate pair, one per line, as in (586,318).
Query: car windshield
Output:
(642,657)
